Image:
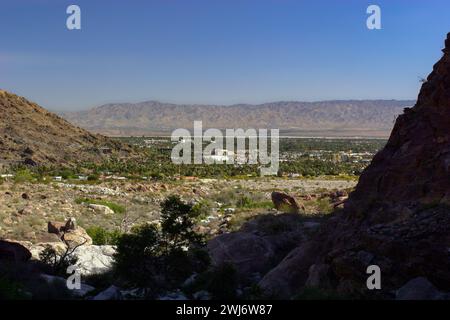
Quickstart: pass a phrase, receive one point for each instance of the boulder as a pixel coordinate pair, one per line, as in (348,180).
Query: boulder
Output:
(94,259)
(98,208)
(285,203)
(247,252)
(112,293)
(36,249)
(77,237)
(285,280)
(13,251)
(55,227)
(71,224)
(69,232)
(419,289)
(84,288)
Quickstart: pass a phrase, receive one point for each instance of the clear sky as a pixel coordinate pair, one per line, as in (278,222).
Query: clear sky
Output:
(217,51)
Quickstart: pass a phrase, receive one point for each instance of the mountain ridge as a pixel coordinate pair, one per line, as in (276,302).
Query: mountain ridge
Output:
(154,116)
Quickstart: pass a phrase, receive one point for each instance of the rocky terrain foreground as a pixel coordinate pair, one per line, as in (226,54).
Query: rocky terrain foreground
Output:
(36,216)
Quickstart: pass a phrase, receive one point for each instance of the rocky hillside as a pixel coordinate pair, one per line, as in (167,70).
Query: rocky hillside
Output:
(365,117)
(398,218)
(31,135)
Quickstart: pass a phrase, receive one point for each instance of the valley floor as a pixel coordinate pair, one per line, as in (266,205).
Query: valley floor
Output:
(26,208)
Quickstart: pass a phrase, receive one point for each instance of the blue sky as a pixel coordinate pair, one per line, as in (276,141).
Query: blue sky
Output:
(211,51)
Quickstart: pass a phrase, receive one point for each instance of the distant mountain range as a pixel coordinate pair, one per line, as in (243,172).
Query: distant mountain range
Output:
(325,118)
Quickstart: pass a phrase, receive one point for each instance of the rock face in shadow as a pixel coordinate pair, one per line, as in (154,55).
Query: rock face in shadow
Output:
(260,244)
(398,217)
(415,164)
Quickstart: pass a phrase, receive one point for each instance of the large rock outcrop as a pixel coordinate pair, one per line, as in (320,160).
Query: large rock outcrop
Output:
(398,217)
(415,164)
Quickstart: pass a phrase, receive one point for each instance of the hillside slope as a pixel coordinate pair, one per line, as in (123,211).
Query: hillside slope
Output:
(34,136)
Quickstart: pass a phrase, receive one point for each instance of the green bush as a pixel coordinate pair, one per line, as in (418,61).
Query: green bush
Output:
(23,175)
(203,209)
(93,177)
(101,236)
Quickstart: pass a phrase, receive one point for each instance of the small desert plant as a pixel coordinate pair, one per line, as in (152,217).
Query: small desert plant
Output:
(58,263)
(101,236)
(23,175)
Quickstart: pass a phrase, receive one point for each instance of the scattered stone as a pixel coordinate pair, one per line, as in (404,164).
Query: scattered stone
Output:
(98,208)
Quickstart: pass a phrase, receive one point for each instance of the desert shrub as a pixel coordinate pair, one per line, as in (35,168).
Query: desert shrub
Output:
(66,174)
(227,197)
(101,236)
(244,202)
(159,259)
(203,209)
(324,206)
(23,175)
(57,263)
(93,177)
